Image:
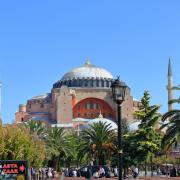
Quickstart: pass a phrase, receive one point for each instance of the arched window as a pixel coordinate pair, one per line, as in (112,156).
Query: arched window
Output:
(80,83)
(85,115)
(92,115)
(110,115)
(87,106)
(97,83)
(91,105)
(102,83)
(91,83)
(86,83)
(107,83)
(79,107)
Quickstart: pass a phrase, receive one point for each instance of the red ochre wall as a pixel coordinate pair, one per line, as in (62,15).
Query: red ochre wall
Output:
(90,108)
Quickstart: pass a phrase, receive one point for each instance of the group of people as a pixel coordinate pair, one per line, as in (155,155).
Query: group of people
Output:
(171,171)
(43,173)
(100,172)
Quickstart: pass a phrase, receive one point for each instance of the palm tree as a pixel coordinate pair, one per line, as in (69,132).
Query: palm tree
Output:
(97,142)
(57,145)
(35,127)
(171,121)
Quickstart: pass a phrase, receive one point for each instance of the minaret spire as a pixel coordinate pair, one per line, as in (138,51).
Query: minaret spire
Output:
(170,86)
(169,68)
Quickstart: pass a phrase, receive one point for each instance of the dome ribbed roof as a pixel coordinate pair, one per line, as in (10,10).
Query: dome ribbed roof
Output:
(87,71)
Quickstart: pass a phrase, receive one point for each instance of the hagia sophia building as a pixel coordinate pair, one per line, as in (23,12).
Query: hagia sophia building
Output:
(82,95)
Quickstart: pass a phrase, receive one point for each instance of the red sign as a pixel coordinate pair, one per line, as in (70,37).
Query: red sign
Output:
(13,168)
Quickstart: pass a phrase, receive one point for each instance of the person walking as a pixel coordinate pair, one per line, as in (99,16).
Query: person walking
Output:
(88,173)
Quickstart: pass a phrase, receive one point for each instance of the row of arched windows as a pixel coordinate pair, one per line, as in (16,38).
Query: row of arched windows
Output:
(84,83)
(94,115)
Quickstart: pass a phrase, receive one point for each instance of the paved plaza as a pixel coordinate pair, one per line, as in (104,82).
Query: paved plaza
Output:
(115,178)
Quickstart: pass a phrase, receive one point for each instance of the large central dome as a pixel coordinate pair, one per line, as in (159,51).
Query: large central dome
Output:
(88,76)
(87,71)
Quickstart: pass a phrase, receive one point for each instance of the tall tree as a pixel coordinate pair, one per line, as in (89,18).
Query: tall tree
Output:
(97,142)
(148,139)
(57,144)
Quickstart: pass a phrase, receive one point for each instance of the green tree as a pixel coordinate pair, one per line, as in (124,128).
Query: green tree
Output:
(171,121)
(19,144)
(35,127)
(57,145)
(97,143)
(148,140)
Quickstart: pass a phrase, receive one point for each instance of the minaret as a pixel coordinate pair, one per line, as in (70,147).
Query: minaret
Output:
(170,86)
(0,102)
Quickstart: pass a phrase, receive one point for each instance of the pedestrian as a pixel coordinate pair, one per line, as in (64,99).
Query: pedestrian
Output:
(173,172)
(135,172)
(88,173)
(115,172)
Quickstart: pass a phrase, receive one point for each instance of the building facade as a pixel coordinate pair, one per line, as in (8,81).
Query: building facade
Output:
(81,94)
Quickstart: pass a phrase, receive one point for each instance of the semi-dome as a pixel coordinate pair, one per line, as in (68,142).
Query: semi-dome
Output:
(87,71)
(87,75)
(104,120)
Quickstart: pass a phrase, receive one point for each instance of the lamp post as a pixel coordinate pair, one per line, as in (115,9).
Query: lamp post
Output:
(118,94)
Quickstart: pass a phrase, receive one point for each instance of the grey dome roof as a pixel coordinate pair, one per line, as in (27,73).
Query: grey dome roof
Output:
(87,71)
(134,126)
(104,120)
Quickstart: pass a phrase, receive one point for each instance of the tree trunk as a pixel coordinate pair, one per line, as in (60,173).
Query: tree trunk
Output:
(145,168)
(151,167)
(55,162)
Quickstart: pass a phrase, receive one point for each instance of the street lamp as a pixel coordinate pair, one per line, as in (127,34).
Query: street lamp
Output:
(118,95)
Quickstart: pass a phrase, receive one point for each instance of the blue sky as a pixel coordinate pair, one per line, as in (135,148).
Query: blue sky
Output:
(41,40)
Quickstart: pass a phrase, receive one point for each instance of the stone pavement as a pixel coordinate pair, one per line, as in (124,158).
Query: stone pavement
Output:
(115,178)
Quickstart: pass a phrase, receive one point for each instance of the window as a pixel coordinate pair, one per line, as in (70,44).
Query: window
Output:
(85,115)
(97,106)
(102,83)
(22,119)
(92,115)
(86,83)
(79,106)
(107,83)
(91,105)
(91,83)
(87,106)
(42,105)
(79,115)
